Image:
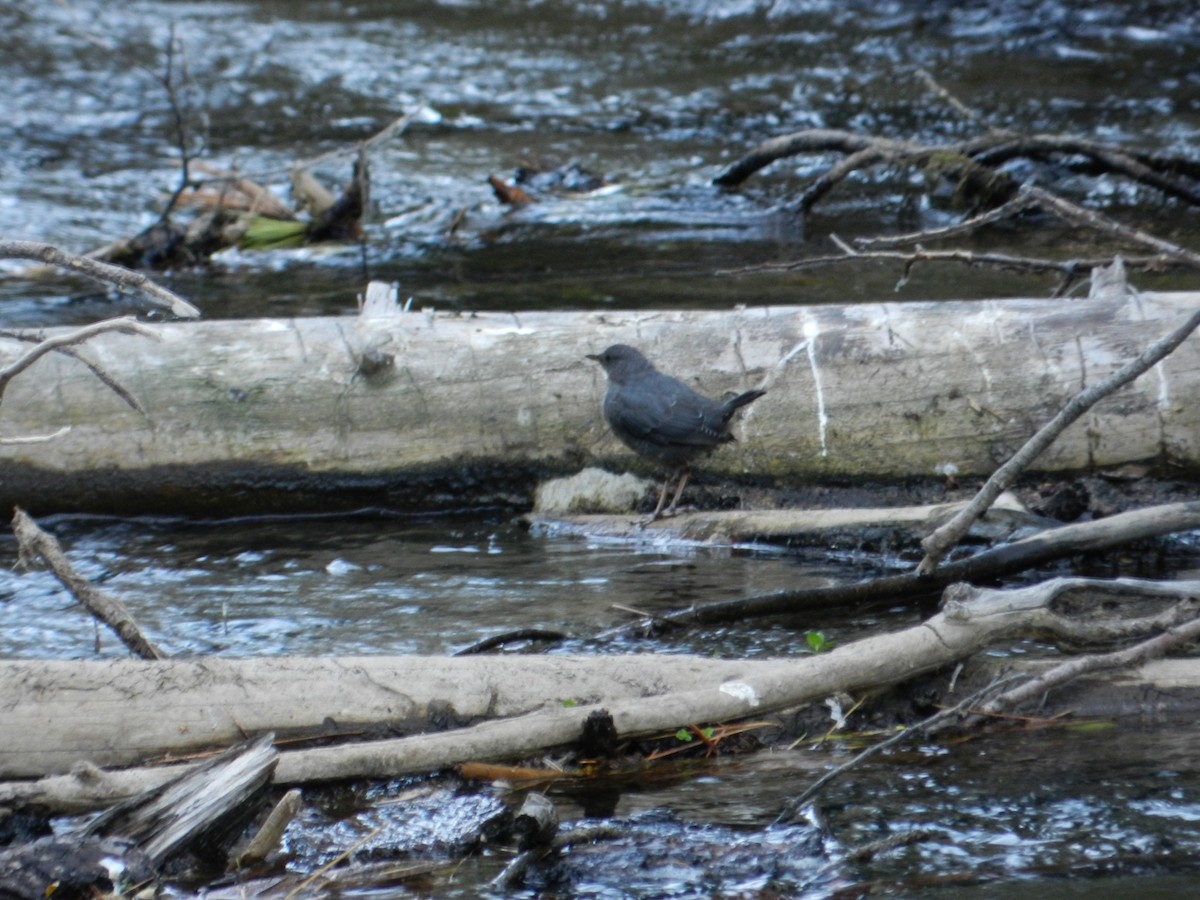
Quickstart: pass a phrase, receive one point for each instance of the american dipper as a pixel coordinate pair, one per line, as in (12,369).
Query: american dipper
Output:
(661,418)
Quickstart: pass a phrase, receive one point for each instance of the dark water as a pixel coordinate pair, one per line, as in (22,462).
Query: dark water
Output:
(657,98)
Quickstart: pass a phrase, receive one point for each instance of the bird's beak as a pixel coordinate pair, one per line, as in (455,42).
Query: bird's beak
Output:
(595,356)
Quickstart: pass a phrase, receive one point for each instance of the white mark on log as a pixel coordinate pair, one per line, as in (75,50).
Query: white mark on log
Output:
(1164,386)
(1041,351)
(980,362)
(511,329)
(1082,363)
(811,332)
(35,438)
(996,316)
(739,690)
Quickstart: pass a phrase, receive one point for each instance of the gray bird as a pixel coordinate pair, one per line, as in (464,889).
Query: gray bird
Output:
(661,418)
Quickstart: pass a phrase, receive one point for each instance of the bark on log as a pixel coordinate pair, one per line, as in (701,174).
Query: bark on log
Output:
(252,414)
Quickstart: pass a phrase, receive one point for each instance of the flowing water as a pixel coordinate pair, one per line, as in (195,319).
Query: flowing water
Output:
(655,98)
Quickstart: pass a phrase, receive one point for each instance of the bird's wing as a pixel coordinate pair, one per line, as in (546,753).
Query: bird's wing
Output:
(669,413)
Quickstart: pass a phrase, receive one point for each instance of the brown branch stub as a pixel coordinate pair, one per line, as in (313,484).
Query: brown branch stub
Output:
(34,544)
(123,278)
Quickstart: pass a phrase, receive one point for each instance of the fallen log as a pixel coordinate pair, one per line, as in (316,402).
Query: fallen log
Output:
(431,410)
(888,526)
(646,694)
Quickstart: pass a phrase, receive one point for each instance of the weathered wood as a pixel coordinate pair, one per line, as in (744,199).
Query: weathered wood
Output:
(524,713)
(480,405)
(894,525)
(54,713)
(169,817)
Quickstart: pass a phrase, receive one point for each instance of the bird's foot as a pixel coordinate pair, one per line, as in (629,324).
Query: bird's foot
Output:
(674,510)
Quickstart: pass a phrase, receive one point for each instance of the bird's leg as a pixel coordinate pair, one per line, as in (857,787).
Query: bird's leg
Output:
(684,474)
(662,498)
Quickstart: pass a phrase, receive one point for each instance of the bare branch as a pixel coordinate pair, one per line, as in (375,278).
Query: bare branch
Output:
(1151,648)
(940,541)
(936,721)
(124,325)
(1077,215)
(35,543)
(123,278)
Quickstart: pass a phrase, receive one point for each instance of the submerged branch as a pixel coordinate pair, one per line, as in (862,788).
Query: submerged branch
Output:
(1007,559)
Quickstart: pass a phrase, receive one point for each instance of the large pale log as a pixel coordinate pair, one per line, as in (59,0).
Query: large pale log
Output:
(179,705)
(54,713)
(476,406)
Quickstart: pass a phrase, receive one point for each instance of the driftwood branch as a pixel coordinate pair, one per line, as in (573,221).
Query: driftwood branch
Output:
(1006,559)
(33,543)
(939,543)
(119,276)
(702,691)
(1068,270)
(972,167)
(1152,648)
(122,325)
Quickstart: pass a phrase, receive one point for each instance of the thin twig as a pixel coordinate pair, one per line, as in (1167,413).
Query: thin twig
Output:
(1013,207)
(932,85)
(124,325)
(1077,215)
(793,807)
(180,114)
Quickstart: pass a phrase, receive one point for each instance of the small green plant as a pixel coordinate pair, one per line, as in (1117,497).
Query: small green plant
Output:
(687,734)
(817,642)
(569,704)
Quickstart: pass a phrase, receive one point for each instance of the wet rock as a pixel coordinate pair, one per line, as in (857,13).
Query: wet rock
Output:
(591,491)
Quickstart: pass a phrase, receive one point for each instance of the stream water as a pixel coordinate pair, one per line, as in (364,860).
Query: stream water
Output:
(655,97)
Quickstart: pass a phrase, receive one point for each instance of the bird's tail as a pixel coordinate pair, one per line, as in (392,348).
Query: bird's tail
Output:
(741,400)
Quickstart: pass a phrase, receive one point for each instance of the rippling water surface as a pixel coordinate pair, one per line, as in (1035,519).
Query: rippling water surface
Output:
(656,98)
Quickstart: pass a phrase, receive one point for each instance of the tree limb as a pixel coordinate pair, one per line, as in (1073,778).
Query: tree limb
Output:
(1006,559)
(119,276)
(124,325)
(35,543)
(939,543)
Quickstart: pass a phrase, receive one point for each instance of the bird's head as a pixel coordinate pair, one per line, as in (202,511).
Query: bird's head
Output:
(620,362)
